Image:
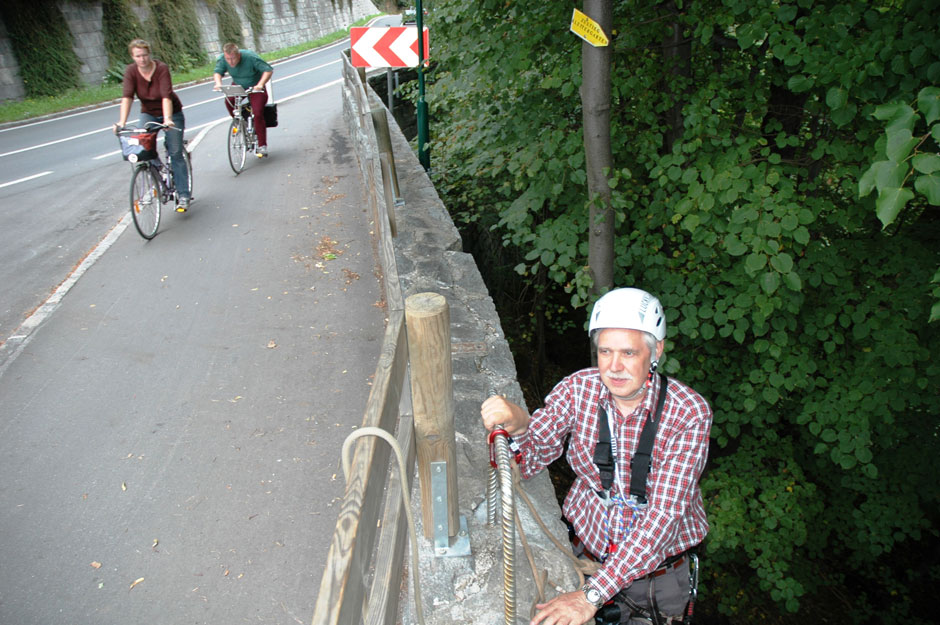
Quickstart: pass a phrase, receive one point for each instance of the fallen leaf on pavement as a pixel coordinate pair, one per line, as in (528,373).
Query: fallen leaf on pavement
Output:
(136,581)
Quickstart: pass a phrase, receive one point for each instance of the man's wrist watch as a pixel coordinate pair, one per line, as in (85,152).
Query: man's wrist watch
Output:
(592,595)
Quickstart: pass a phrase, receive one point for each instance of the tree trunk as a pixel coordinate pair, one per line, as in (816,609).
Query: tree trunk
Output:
(677,53)
(595,102)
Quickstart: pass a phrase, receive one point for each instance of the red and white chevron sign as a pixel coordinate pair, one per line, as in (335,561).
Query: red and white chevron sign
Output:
(386,46)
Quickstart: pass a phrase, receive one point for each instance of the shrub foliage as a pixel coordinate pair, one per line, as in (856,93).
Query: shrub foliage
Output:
(175,34)
(230,25)
(42,44)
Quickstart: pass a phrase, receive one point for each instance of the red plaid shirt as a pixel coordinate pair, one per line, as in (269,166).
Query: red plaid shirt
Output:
(674,520)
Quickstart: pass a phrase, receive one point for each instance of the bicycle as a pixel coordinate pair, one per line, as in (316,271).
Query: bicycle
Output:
(152,182)
(241,132)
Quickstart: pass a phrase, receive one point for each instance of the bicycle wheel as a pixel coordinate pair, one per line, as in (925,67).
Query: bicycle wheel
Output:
(237,150)
(146,203)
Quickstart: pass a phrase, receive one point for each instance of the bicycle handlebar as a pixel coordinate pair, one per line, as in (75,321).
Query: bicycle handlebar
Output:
(234,91)
(148,127)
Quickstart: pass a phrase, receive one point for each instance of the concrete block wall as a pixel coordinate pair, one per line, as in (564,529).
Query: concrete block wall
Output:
(11,86)
(84,21)
(282,28)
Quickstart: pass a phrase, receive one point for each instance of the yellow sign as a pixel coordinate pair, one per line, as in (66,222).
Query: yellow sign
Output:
(589,30)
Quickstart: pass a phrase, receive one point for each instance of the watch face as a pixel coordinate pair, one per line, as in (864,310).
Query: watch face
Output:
(593,596)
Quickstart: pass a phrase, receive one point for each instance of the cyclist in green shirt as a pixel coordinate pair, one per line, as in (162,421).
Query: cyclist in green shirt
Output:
(251,72)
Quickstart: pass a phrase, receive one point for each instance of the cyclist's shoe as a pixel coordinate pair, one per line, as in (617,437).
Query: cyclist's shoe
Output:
(262,151)
(183,205)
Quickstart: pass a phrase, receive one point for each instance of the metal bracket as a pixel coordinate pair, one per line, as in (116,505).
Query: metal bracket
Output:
(444,545)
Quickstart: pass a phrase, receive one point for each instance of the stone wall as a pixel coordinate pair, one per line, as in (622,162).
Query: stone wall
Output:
(282,29)
(11,87)
(84,21)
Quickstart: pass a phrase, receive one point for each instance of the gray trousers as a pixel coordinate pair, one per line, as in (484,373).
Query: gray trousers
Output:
(671,591)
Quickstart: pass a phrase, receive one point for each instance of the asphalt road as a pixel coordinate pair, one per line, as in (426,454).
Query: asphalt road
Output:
(63,184)
(170,430)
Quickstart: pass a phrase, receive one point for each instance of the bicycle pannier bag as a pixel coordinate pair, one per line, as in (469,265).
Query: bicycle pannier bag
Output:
(270,115)
(139,147)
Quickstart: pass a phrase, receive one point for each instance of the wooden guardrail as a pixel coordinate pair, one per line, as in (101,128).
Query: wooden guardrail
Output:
(361,547)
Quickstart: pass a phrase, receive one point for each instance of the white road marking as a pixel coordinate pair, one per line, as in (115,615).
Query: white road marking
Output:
(7,184)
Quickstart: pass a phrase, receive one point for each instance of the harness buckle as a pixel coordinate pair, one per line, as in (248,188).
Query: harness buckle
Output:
(635,503)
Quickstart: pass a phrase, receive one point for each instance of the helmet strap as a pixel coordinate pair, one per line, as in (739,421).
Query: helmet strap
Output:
(637,393)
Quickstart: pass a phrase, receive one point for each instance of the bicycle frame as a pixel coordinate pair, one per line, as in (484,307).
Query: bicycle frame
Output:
(241,137)
(152,181)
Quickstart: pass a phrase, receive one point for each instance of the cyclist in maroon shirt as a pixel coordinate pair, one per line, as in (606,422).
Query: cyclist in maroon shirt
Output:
(149,79)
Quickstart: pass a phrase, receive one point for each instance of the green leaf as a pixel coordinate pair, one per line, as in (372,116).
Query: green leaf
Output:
(799,83)
(786,13)
(928,102)
(900,143)
(769,282)
(926,163)
(836,97)
(882,175)
(754,263)
(734,246)
(842,116)
(898,116)
(793,281)
(930,187)
(748,34)
(782,263)
(890,202)
(801,235)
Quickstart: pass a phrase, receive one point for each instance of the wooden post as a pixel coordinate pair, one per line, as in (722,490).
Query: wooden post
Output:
(427,319)
(384,138)
(388,193)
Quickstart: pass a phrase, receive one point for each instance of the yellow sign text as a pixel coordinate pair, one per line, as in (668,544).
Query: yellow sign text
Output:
(589,30)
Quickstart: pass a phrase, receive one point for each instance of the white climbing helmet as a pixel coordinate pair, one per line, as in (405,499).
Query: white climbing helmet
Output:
(631,309)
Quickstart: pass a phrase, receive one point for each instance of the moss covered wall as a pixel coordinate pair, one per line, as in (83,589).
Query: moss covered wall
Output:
(283,23)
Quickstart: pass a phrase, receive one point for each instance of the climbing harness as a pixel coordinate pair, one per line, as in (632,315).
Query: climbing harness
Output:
(605,453)
(619,526)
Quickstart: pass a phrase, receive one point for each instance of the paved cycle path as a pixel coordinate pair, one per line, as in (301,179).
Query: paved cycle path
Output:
(169,437)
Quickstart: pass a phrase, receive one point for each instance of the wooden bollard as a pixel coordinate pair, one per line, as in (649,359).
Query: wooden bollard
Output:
(428,321)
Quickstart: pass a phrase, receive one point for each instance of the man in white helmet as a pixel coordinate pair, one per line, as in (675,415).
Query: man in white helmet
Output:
(639,526)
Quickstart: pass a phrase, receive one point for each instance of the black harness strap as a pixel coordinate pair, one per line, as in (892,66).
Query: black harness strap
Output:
(642,460)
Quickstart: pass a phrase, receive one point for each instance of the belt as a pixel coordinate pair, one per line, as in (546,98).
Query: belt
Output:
(663,569)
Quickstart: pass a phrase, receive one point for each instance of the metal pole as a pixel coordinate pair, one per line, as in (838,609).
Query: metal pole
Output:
(423,156)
